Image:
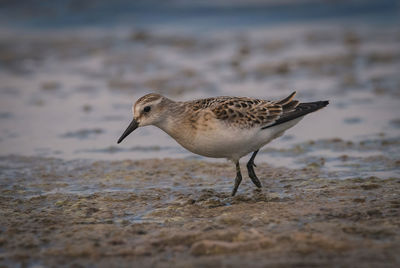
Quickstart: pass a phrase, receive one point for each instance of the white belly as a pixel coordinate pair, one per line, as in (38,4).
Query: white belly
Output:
(232,143)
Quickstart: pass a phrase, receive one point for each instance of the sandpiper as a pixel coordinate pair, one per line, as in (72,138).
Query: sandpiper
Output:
(222,127)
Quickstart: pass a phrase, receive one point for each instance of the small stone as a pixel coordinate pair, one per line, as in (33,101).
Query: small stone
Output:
(229,219)
(370,186)
(374,212)
(359,200)
(51,85)
(209,247)
(59,203)
(86,108)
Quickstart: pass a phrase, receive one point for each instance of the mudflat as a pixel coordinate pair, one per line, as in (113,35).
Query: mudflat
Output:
(174,212)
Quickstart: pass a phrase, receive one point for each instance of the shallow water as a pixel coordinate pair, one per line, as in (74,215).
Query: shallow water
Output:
(69,94)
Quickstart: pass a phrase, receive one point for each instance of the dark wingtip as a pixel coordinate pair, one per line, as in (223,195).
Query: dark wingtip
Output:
(317,105)
(301,110)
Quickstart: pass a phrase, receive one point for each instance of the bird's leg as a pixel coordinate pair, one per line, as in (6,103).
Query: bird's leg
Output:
(238,179)
(250,169)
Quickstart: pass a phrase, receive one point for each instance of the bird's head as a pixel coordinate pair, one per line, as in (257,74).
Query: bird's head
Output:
(147,110)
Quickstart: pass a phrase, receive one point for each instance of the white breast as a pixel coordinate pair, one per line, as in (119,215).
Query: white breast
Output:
(221,140)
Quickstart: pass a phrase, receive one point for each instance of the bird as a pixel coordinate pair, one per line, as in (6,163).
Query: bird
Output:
(221,127)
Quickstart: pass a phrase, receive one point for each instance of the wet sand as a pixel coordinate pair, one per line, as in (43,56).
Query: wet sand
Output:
(174,212)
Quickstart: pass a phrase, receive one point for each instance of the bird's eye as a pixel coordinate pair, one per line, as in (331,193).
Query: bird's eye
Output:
(147,109)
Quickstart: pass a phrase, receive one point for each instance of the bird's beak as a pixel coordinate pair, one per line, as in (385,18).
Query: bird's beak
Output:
(132,126)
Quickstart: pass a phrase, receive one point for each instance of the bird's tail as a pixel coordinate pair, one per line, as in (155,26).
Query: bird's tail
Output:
(300,110)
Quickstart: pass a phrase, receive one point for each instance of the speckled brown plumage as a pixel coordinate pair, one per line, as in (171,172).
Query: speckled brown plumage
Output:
(243,112)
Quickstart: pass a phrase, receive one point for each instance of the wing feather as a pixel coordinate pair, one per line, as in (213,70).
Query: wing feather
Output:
(247,112)
(299,110)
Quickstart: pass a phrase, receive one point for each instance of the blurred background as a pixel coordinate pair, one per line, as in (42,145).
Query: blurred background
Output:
(70,71)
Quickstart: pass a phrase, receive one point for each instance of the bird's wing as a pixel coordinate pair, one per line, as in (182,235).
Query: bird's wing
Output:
(300,109)
(247,112)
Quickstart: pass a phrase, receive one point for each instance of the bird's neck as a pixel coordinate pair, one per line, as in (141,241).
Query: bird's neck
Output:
(174,121)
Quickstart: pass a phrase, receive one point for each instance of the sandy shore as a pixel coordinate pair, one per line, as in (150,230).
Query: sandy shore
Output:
(179,213)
